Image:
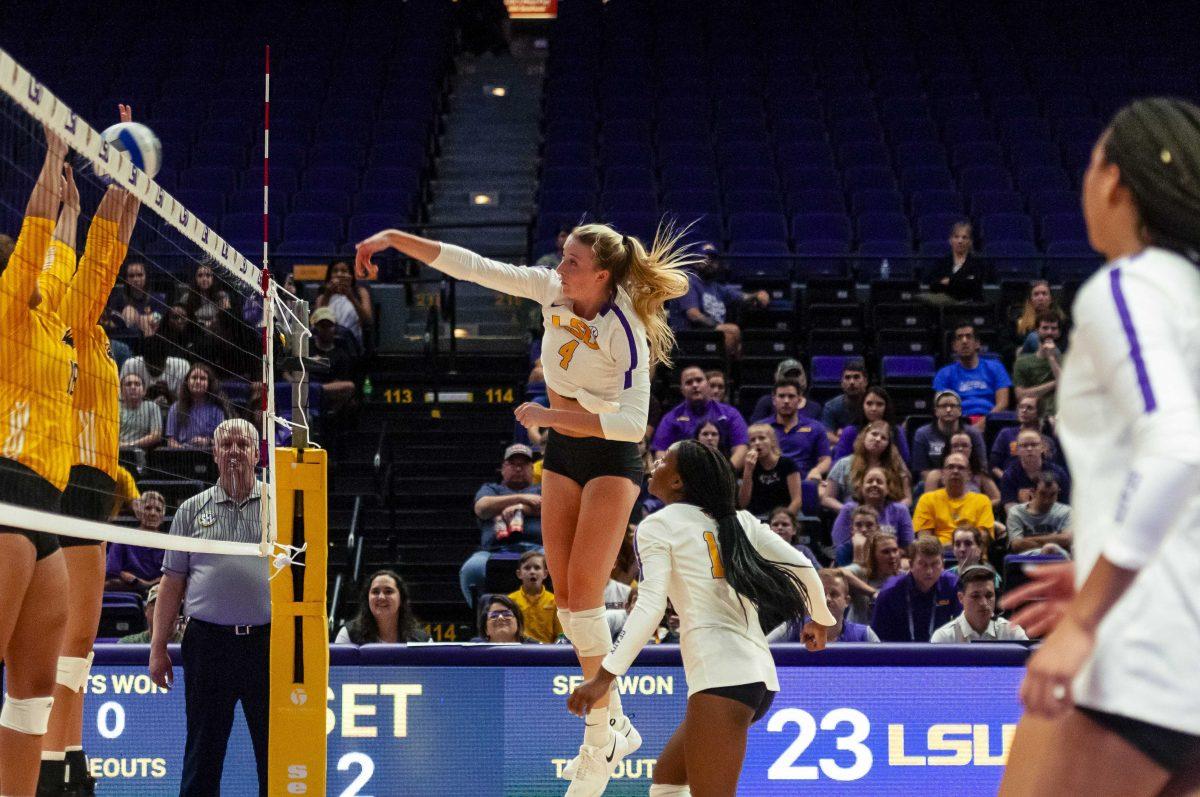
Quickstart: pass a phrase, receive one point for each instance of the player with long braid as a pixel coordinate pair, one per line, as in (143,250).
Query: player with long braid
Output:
(727,574)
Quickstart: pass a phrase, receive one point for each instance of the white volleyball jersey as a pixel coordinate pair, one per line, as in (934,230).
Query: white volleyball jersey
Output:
(720,638)
(602,362)
(1129,423)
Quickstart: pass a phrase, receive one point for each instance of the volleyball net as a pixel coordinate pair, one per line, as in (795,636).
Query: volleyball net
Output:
(118,262)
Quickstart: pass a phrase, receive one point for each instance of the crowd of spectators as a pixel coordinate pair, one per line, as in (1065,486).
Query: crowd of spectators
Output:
(915,519)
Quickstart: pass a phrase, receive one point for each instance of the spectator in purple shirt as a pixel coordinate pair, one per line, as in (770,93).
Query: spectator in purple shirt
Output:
(198,411)
(876,406)
(910,607)
(1020,479)
(1004,447)
(683,421)
(981,383)
(837,597)
(707,302)
(132,568)
(788,369)
(880,492)
(802,440)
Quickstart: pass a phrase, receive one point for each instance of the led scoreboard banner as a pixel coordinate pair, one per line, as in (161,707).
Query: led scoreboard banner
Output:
(477,720)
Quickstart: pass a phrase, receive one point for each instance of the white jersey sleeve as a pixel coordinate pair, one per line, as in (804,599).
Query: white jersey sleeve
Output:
(1150,388)
(774,549)
(628,421)
(654,553)
(539,284)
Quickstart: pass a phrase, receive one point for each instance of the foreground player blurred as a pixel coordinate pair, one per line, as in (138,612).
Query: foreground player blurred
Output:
(605,327)
(79,297)
(1116,680)
(36,382)
(720,568)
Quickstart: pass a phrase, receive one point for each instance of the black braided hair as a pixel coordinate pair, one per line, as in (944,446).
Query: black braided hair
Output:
(1155,142)
(709,483)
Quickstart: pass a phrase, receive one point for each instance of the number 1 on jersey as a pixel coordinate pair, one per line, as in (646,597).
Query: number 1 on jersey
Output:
(714,555)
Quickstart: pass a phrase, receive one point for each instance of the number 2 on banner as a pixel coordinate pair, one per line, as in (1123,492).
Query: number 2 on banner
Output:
(566,352)
(714,555)
(366,770)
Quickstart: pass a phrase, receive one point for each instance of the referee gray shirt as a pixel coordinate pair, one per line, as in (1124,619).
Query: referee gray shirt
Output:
(222,589)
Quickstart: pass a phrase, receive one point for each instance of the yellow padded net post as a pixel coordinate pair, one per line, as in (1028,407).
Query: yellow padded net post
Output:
(299,628)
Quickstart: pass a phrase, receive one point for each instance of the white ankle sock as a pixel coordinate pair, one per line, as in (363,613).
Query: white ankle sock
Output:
(596,731)
(670,790)
(614,703)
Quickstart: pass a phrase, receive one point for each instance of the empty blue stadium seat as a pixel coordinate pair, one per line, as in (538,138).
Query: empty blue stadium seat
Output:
(984,203)
(984,178)
(877,200)
(753,201)
(1063,227)
(907,369)
(923,202)
(827,369)
(883,227)
(936,226)
(816,200)
(313,227)
(811,227)
(1006,227)
(751,226)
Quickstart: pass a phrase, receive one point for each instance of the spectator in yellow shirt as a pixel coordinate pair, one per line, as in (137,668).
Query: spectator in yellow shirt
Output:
(537,603)
(940,511)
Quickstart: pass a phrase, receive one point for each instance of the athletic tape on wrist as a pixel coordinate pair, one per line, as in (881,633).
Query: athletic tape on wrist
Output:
(590,632)
(30,715)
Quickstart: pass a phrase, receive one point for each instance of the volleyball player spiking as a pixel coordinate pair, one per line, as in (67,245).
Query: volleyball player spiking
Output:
(79,300)
(1112,702)
(721,568)
(604,327)
(36,381)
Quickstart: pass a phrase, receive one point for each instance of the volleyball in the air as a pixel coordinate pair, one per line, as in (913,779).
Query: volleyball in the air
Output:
(137,141)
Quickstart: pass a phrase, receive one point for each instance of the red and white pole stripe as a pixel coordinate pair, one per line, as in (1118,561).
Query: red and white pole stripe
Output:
(267,445)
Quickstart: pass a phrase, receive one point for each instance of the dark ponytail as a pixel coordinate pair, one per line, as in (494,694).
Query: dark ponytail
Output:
(1155,142)
(709,483)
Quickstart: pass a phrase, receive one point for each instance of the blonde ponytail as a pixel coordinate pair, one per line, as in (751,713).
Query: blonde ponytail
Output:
(651,278)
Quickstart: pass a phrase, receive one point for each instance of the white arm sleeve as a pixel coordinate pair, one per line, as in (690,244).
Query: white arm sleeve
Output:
(774,549)
(628,422)
(1152,389)
(654,553)
(539,284)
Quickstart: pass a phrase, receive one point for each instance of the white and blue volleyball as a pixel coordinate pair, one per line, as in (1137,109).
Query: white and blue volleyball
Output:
(138,142)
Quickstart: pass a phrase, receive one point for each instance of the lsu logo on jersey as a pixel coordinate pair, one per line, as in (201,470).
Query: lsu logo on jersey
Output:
(583,334)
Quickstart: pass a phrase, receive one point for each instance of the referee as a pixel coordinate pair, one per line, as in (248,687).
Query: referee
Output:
(226,647)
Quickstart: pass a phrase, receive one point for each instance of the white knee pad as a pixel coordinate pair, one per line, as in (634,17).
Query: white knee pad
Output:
(73,671)
(564,620)
(29,715)
(670,790)
(590,633)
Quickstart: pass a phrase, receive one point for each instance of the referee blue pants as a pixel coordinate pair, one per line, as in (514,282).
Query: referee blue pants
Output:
(220,668)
